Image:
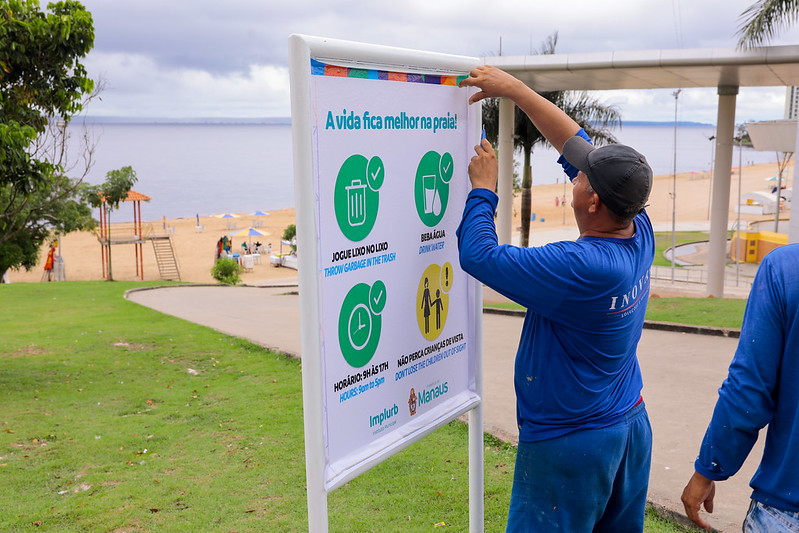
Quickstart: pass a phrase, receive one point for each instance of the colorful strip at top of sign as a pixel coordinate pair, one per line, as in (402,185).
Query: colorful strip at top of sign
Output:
(323,69)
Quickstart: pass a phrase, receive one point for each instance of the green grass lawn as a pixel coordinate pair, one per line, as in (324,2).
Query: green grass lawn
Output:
(663,242)
(716,312)
(118,418)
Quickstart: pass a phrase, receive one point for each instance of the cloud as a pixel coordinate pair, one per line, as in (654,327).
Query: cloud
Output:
(138,86)
(183,58)
(696,105)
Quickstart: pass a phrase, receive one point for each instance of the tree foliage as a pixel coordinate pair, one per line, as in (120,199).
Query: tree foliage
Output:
(290,235)
(42,85)
(764,19)
(109,194)
(226,270)
(113,190)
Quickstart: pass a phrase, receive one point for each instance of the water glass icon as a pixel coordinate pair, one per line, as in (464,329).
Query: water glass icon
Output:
(356,203)
(429,186)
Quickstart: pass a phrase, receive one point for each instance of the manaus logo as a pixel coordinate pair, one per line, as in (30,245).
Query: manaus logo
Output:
(412,402)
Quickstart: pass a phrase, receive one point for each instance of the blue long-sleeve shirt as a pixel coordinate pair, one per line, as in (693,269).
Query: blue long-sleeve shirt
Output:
(762,388)
(576,365)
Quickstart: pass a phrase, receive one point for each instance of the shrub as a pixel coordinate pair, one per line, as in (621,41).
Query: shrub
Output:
(290,235)
(226,270)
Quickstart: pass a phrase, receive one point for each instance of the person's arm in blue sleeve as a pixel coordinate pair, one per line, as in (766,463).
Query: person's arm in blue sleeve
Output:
(553,123)
(502,266)
(746,400)
(568,169)
(746,403)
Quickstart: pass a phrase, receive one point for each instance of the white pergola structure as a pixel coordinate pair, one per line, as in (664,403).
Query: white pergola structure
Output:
(725,69)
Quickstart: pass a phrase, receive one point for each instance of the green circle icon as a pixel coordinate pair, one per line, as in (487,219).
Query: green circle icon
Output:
(447,167)
(356,198)
(377,297)
(431,188)
(359,325)
(375,172)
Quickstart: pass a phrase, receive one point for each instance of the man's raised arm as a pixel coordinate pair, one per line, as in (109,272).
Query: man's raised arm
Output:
(550,120)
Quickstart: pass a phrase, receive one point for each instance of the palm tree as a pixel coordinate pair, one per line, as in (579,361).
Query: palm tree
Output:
(591,114)
(764,19)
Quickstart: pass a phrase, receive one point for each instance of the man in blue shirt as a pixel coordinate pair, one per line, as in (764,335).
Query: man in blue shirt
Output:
(584,436)
(760,389)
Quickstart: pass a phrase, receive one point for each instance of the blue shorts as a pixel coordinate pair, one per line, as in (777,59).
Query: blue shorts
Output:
(763,518)
(589,480)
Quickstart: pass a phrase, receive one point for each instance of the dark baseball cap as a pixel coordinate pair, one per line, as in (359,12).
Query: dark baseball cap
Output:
(618,174)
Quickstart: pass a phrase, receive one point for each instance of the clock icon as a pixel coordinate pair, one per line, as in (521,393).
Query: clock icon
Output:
(359,327)
(359,322)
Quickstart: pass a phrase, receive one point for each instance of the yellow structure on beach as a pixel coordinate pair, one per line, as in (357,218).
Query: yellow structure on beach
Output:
(754,245)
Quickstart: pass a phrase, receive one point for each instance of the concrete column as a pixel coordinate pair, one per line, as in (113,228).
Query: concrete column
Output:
(793,224)
(505,180)
(720,202)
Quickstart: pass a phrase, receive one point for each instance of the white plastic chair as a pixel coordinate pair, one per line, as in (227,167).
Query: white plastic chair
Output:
(247,263)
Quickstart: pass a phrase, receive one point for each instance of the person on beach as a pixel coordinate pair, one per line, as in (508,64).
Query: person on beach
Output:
(585,441)
(760,390)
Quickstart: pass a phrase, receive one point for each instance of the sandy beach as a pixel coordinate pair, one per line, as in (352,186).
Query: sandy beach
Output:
(195,249)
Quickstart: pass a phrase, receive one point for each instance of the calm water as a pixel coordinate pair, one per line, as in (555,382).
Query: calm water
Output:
(694,151)
(209,169)
(190,169)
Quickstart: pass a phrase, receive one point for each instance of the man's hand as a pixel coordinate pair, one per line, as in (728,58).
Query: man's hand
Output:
(483,167)
(493,82)
(699,490)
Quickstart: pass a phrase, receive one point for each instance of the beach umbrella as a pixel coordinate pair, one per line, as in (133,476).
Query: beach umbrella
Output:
(227,215)
(250,232)
(258,223)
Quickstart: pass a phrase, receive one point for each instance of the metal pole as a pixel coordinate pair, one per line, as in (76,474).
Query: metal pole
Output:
(720,207)
(476,443)
(779,194)
(676,95)
(738,222)
(312,380)
(505,144)
(793,221)
(710,185)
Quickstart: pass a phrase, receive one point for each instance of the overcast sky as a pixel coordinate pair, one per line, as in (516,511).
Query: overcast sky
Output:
(203,58)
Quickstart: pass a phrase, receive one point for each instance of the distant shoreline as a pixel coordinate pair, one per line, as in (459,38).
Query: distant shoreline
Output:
(286,121)
(195,121)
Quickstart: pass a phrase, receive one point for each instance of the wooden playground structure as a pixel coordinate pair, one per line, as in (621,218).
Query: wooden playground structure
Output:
(136,234)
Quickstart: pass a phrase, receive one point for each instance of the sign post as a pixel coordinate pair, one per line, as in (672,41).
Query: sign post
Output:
(391,330)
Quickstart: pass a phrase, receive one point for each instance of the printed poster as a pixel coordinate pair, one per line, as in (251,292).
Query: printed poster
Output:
(391,154)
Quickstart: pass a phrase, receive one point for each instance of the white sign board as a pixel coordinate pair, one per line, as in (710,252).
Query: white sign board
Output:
(394,319)
(390,185)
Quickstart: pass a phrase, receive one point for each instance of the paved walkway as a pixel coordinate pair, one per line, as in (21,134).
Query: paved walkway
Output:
(682,373)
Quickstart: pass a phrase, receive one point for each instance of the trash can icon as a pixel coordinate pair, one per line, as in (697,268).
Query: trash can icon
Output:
(356,203)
